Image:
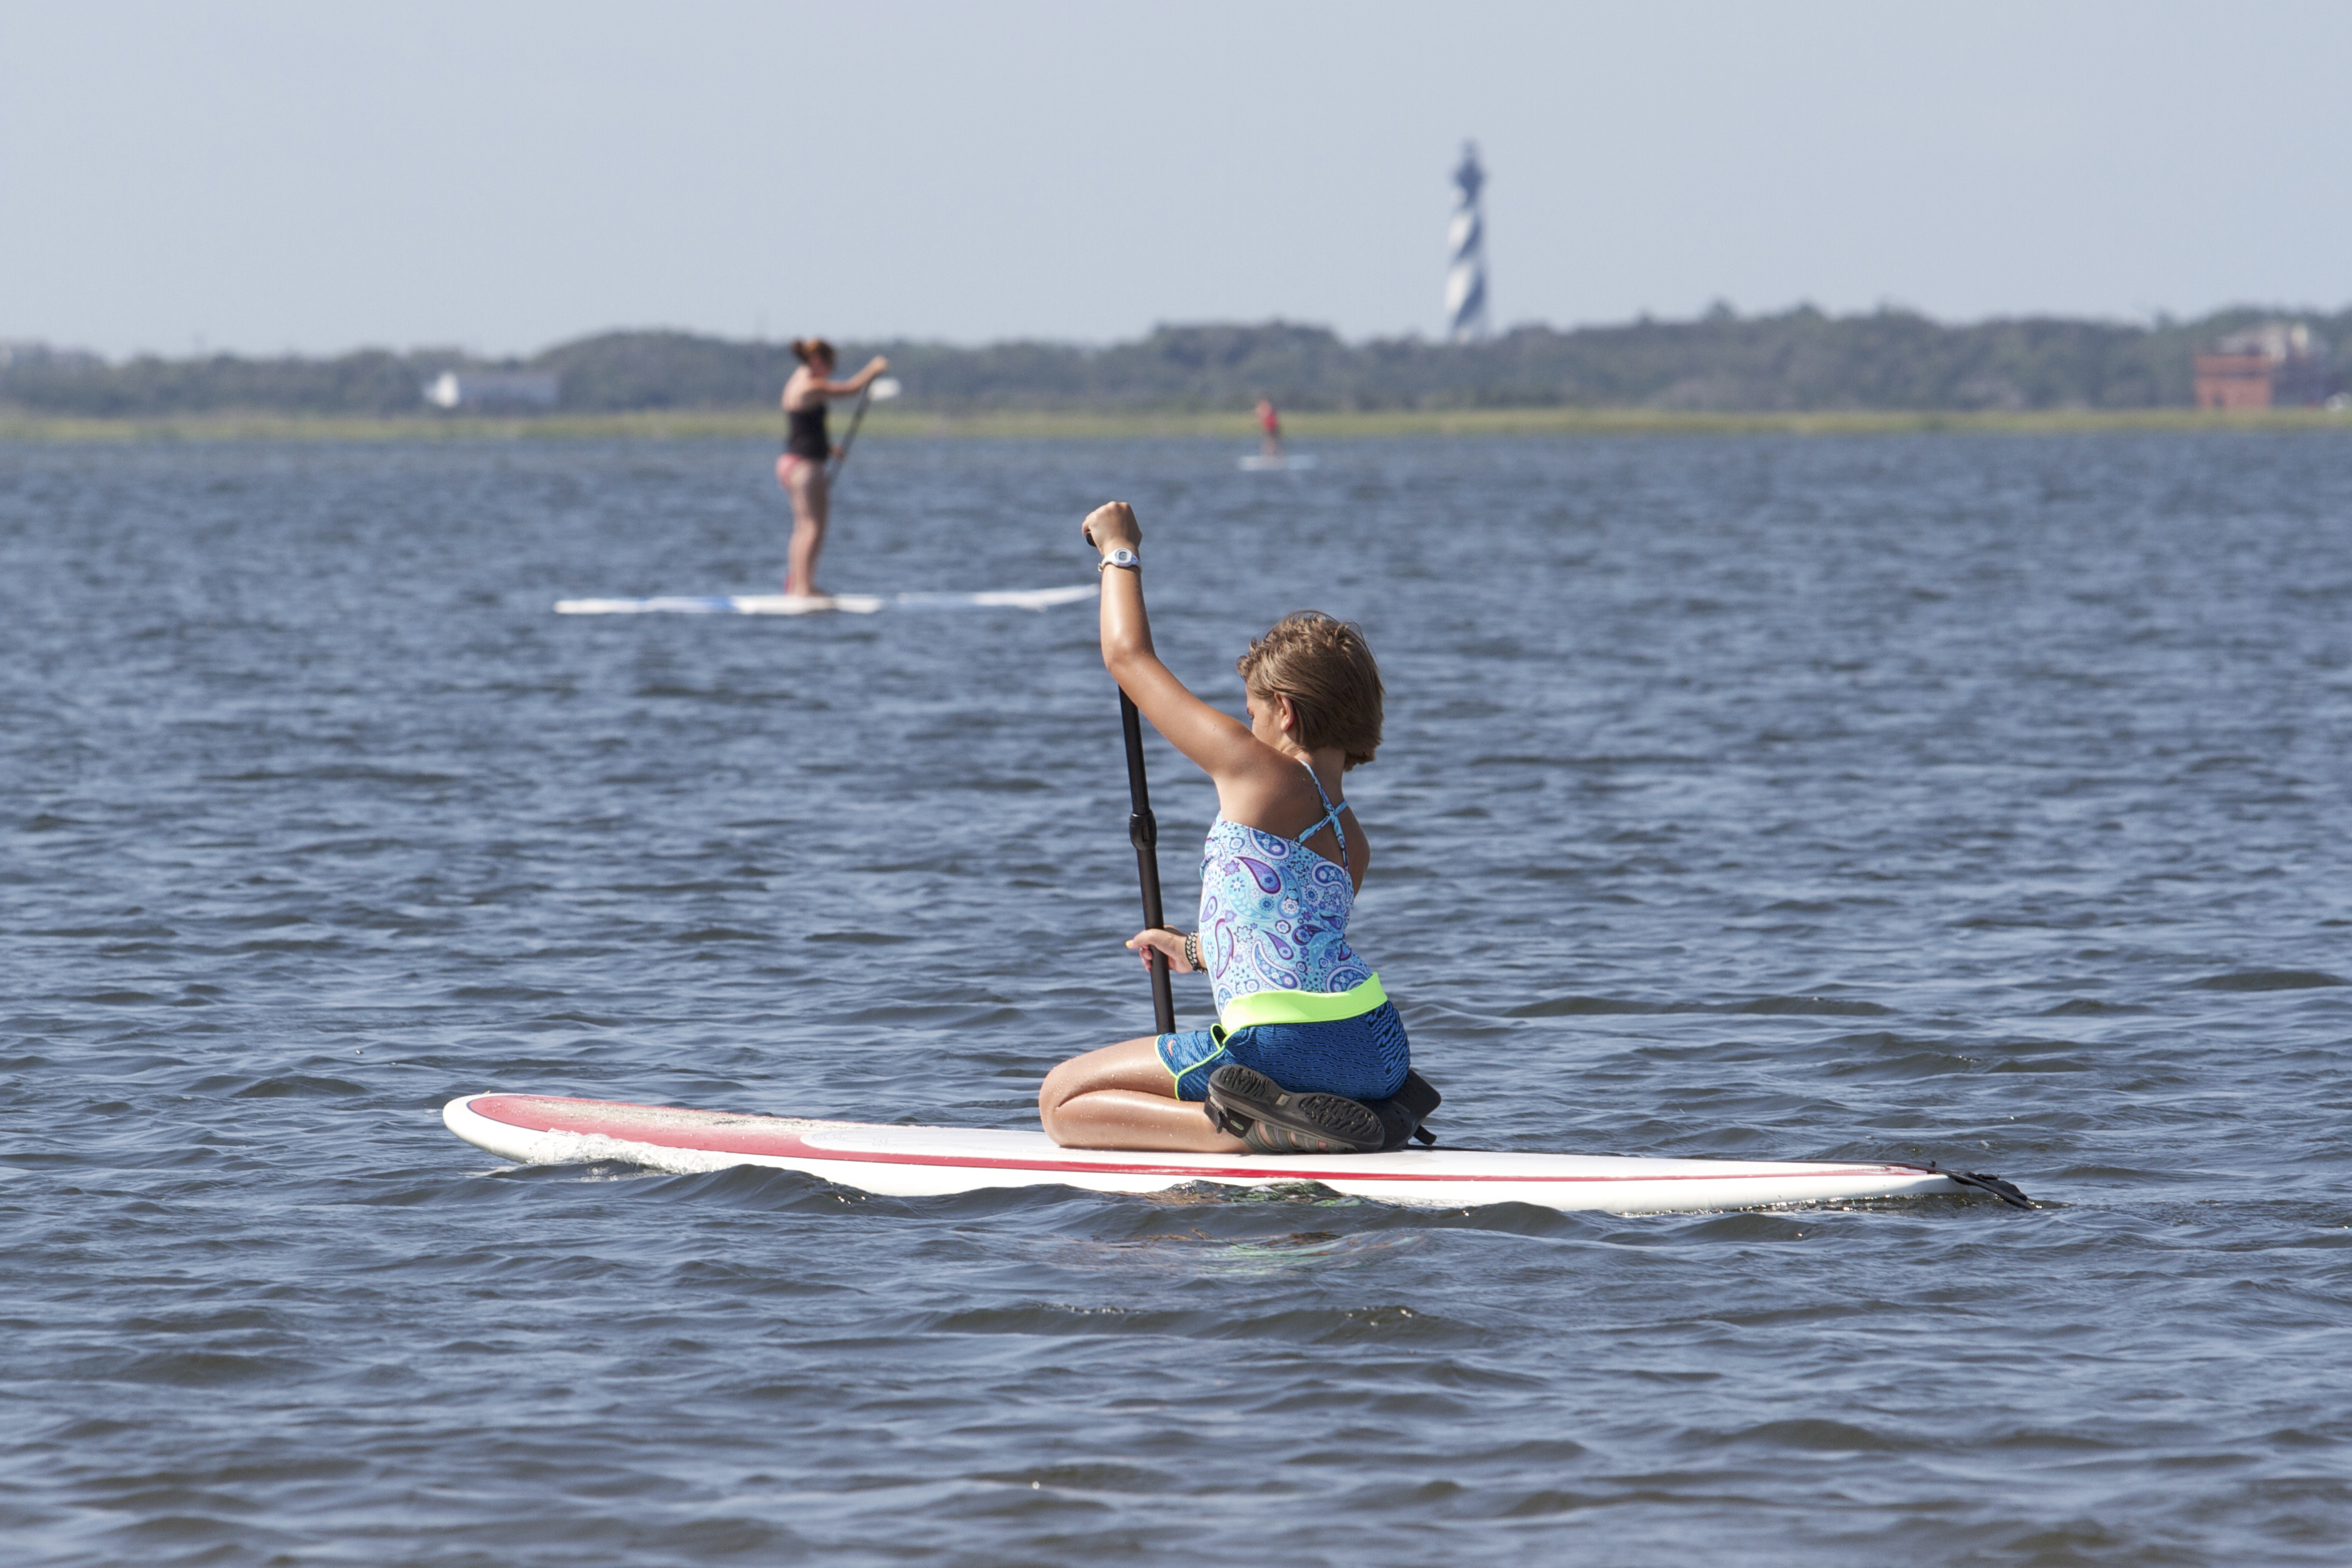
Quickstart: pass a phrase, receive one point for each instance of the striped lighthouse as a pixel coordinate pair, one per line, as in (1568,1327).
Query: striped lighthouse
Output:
(1465,271)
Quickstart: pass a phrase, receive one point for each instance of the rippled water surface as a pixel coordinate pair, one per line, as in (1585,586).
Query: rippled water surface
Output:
(1974,799)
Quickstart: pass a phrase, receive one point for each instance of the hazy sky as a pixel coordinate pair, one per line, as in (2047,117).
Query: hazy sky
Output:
(502,174)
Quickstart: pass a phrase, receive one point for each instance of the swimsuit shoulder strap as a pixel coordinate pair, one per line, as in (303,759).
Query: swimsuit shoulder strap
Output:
(1330,817)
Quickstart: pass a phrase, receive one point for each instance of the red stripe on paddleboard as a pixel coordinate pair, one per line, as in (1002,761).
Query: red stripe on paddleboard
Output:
(506,1108)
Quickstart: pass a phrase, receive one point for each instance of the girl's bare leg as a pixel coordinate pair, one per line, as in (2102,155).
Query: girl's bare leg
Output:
(810,508)
(1120,1097)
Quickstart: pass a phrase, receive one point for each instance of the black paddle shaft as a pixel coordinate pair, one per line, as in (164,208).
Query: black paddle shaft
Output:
(833,470)
(1143,832)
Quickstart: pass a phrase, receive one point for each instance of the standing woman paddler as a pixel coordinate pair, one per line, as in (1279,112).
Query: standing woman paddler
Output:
(807,449)
(1308,1056)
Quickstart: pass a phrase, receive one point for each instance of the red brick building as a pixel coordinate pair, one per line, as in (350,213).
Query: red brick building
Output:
(2233,381)
(2277,363)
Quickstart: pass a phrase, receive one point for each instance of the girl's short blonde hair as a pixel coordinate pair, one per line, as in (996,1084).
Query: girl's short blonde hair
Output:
(1325,667)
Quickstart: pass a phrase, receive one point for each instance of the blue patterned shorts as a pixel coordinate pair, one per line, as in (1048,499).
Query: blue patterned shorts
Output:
(1363,1057)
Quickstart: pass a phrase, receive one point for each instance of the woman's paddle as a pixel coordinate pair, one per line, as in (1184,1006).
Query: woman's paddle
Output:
(879,390)
(1143,832)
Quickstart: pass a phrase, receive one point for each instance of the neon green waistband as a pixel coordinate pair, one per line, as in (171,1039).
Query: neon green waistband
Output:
(1301,1006)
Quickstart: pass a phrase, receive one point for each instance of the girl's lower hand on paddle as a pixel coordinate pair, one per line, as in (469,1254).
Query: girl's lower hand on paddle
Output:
(1168,943)
(1110,525)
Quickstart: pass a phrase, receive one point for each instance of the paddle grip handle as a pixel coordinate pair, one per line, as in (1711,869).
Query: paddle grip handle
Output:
(1143,832)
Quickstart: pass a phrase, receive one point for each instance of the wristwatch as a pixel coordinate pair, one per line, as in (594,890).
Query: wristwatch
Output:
(1122,556)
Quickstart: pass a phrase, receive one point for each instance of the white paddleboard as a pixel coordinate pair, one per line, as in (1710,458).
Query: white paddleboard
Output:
(1290,463)
(928,1162)
(818,604)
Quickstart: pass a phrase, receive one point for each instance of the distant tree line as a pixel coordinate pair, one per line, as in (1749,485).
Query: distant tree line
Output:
(1799,360)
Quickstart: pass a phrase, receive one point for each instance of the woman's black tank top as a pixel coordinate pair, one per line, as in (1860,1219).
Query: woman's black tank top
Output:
(804,433)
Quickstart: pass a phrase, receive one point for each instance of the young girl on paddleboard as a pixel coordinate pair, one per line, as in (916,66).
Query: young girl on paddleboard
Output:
(807,450)
(1308,1056)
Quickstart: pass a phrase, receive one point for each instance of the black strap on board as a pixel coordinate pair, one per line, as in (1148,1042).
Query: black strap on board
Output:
(1143,832)
(2007,1192)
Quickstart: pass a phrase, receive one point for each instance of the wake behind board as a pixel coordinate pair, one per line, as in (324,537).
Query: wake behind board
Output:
(815,603)
(929,1161)
(1291,463)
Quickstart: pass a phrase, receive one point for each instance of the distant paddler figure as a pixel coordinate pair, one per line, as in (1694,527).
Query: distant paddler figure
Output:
(1269,424)
(803,470)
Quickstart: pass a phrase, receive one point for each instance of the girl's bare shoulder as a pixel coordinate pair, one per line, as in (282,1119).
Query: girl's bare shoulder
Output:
(1268,790)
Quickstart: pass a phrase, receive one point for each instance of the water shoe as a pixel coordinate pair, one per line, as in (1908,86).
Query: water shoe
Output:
(1273,1120)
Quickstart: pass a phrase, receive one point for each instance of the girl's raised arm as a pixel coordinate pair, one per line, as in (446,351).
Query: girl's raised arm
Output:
(1219,744)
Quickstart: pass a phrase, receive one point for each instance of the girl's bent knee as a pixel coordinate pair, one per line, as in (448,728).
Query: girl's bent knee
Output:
(1060,1084)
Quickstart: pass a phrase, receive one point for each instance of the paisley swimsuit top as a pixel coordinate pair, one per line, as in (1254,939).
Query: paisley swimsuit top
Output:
(1273,926)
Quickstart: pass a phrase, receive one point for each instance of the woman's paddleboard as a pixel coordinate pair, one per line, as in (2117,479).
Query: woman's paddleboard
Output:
(928,1162)
(820,604)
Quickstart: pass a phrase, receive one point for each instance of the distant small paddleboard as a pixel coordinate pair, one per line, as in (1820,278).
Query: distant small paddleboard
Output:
(1292,463)
(820,604)
(927,1161)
